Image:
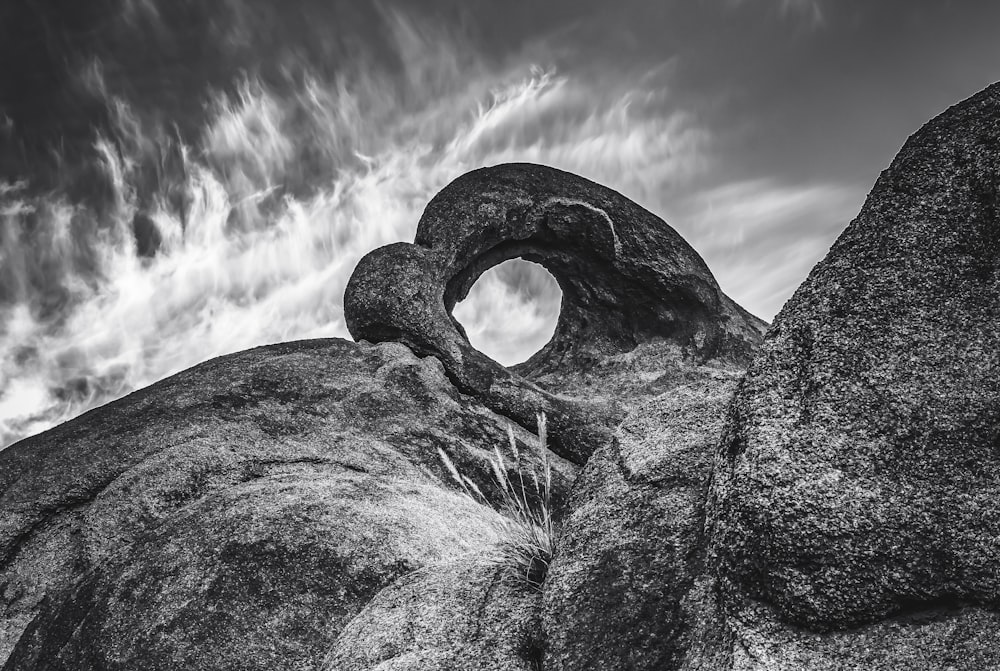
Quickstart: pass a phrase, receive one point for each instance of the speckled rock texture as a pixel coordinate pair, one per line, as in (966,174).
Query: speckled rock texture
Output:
(859,476)
(239,514)
(754,639)
(463,616)
(632,545)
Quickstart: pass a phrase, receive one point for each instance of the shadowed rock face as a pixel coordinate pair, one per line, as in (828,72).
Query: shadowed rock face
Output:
(626,278)
(632,547)
(860,473)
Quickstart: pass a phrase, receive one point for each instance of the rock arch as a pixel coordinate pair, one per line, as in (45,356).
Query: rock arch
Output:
(626,278)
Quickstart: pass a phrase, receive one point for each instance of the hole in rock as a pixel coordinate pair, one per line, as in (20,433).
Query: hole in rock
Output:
(511,311)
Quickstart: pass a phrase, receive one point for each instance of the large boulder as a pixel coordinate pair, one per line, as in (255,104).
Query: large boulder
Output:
(239,514)
(859,477)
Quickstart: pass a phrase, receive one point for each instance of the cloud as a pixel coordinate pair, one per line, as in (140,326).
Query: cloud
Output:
(761,237)
(810,12)
(511,311)
(260,220)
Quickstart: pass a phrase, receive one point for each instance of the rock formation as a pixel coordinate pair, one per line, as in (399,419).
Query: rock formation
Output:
(638,303)
(286,507)
(626,278)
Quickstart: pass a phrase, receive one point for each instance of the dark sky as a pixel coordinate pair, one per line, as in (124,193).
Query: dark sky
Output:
(180,179)
(802,103)
(770,119)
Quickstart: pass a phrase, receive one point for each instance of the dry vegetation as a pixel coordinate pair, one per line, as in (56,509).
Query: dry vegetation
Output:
(525,525)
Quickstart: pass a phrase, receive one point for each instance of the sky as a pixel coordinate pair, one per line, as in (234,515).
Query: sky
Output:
(181,180)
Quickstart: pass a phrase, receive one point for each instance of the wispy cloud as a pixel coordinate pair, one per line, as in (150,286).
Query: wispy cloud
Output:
(762,237)
(511,311)
(259,221)
(808,11)
(812,10)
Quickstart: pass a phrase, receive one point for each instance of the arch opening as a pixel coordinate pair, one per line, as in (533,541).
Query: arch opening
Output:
(511,311)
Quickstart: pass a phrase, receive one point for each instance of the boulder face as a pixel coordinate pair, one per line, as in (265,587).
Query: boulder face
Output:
(859,476)
(239,514)
(633,547)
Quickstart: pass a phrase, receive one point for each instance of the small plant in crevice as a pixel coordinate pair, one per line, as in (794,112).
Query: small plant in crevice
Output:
(526,527)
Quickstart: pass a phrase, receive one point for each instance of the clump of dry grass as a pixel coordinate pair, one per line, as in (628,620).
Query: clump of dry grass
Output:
(526,527)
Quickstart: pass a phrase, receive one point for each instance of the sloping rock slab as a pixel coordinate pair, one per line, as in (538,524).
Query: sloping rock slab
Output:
(238,514)
(256,576)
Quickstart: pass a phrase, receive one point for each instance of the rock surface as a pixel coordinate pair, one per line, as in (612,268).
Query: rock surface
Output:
(236,515)
(860,473)
(462,616)
(632,545)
